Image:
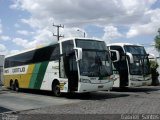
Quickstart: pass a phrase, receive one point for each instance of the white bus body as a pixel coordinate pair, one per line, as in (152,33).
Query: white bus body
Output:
(72,65)
(132,70)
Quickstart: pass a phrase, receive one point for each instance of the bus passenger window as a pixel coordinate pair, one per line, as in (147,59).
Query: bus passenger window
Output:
(67,46)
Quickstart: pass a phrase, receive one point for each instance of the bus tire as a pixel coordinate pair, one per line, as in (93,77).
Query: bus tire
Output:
(87,94)
(16,86)
(11,85)
(56,88)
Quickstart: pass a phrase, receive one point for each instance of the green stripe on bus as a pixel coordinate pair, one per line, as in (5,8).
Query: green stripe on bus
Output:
(40,76)
(34,75)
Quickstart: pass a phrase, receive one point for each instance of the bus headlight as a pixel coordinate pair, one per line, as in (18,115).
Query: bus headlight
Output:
(85,81)
(113,77)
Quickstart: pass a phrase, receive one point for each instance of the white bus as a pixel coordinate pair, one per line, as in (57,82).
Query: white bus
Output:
(71,65)
(133,69)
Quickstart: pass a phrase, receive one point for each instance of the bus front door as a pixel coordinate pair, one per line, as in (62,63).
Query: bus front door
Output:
(71,72)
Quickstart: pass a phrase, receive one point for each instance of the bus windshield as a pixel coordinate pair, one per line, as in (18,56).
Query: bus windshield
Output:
(135,49)
(95,60)
(91,44)
(141,61)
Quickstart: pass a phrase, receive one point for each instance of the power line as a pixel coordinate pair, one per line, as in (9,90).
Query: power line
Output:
(58,27)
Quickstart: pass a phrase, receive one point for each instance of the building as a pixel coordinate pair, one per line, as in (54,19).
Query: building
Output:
(1,69)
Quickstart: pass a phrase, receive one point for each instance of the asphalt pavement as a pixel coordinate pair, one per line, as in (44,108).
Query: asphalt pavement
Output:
(118,102)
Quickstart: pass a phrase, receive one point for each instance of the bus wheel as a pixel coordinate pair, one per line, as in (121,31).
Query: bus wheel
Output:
(16,86)
(56,89)
(11,85)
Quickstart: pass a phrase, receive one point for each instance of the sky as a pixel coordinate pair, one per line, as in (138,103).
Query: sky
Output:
(26,24)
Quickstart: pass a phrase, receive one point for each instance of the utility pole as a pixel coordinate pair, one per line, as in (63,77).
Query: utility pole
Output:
(58,27)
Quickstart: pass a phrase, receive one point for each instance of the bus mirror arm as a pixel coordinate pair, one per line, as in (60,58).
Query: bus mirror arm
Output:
(130,57)
(79,53)
(117,55)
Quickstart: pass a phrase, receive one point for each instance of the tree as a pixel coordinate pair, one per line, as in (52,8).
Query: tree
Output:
(154,65)
(157,41)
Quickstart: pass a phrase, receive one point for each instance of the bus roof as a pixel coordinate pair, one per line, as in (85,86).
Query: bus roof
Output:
(122,44)
(52,43)
(73,38)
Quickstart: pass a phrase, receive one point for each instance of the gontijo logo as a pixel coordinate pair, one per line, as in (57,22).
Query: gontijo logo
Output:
(16,70)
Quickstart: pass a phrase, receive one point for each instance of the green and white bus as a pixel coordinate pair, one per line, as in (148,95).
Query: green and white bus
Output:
(133,69)
(71,65)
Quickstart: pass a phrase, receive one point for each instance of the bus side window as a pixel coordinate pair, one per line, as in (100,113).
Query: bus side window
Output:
(67,46)
(7,62)
(118,64)
(55,53)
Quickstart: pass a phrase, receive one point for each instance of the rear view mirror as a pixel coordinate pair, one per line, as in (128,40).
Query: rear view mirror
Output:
(79,53)
(130,57)
(115,57)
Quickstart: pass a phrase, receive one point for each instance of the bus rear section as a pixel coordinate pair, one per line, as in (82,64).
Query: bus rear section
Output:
(72,65)
(132,70)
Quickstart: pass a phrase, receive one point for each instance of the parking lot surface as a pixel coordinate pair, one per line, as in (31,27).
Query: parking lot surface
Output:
(144,100)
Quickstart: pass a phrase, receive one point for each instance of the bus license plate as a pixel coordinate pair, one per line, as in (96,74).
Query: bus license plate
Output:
(101,86)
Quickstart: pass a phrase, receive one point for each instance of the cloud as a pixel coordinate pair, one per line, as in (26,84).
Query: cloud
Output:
(74,32)
(152,50)
(137,15)
(41,37)
(38,23)
(150,28)
(26,44)
(24,32)
(20,42)
(14,52)
(16,25)
(5,38)
(0,27)
(133,7)
(3,49)
(111,33)
(45,36)
(71,12)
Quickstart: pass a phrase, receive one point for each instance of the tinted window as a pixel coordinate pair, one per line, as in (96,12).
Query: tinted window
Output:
(42,54)
(55,53)
(67,46)
(91,44)
(39,55)
(135,49)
